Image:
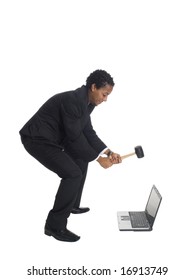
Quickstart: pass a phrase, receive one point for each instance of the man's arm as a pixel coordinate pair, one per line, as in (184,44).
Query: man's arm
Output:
(92,137)
(98,144)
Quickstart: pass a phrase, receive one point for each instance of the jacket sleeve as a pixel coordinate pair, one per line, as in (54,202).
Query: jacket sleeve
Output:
(88,145)
(92,137)
(76,141)
(81,149)
(82,141)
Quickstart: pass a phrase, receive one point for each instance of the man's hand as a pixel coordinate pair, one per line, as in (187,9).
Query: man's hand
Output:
(115,158)
(105,162)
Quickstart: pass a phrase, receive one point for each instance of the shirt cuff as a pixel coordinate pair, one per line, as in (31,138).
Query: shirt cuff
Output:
(101,153)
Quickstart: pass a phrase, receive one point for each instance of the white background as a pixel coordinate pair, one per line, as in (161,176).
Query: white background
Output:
(148,47)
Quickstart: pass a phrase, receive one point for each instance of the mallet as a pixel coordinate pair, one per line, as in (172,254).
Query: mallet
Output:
(138,152)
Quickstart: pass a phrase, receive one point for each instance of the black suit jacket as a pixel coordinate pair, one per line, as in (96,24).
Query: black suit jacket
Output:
(64,121)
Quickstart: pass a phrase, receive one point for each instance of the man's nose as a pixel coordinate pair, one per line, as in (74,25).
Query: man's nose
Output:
(105,98)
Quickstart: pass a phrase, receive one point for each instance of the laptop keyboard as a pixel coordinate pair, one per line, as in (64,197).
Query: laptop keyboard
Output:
(139,220)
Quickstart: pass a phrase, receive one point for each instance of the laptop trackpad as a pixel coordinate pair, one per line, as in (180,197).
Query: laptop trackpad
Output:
(125,218)
(124,221)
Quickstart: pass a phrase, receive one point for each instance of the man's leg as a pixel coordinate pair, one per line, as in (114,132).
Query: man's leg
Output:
(84,167)
(61,163)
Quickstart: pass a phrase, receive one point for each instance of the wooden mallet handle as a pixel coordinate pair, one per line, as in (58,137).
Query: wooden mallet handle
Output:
(128,155)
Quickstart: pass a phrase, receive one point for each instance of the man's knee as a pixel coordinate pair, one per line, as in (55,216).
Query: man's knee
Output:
(74,173)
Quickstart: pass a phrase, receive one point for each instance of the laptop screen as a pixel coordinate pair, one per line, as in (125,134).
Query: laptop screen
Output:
(153,205)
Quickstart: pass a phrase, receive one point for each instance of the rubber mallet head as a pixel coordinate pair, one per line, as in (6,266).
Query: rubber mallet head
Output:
(138,152)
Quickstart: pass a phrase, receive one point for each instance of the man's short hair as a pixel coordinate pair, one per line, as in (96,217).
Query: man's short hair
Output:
(100,78)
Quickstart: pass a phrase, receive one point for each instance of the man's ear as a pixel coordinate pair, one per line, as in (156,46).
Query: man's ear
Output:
(93,87)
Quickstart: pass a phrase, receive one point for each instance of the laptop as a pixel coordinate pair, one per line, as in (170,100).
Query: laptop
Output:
(141,221)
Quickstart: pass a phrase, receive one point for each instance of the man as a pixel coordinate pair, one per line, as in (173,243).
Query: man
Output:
(61,137)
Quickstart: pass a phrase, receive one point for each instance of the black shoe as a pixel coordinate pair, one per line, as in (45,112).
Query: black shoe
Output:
(62,235)
(79,210)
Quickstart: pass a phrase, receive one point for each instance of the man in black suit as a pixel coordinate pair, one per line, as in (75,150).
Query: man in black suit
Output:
(61,137)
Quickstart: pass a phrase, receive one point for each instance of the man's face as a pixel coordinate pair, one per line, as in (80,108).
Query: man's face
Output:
(97,96)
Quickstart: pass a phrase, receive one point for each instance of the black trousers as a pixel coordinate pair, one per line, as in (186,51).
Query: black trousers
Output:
(72,173)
